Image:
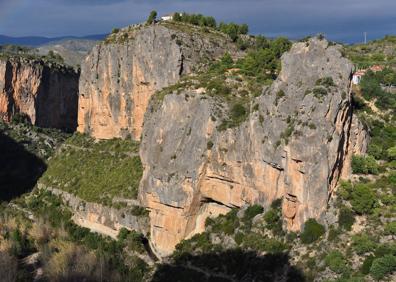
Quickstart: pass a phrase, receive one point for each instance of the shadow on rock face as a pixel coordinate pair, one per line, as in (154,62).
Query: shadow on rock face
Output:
(19,169)
(232,265)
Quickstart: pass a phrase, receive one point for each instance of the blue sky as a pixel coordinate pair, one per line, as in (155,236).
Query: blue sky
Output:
(341,20)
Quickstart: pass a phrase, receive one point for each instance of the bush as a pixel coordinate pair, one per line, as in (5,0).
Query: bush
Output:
(326,81)
(363,199)
(383,266)
(365,269)
(312,231)
(362,244)
(238,111)
(390,228)
(251,212)
(346,218)
(257,242)
(195,19)
(364,165)
(336,262)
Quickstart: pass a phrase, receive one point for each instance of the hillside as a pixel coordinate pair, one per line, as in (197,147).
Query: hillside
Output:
(36,41)
(202,153)
(73,51)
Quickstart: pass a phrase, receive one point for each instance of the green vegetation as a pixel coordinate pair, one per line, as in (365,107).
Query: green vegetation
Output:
(235,83)
(96,171)
(336,262)
(361,197)
(346,218)
(15,52)
(312,231)
(322,87)
(371,89)
(195,19)
(364,165)
(383,266)
(233,30)
(66,250)
(362,243)
(152,17)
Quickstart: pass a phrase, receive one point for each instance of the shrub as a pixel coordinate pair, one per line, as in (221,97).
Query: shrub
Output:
(279,95)
(312,231)
(363,244)
(209,145)
(326,81)
(390,228)
(336,262)
(346,218)
(362,199)
(238,111)
(273,218)
(319,92)
(383,266)
(365,269)
(364,165)
(251,212)
(333,234)
(257,242)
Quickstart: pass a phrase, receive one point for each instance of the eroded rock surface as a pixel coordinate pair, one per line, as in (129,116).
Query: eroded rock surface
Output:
(47,94)
(101,219)
(294,147)
(120,75)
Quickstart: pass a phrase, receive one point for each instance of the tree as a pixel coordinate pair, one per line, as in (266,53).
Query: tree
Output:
(346,218)
(152,17)
(312,231)
(363,199)
(177,17)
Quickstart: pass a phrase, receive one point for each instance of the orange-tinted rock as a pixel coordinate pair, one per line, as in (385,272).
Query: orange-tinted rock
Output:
(251,163)
(46,94)
(120,75)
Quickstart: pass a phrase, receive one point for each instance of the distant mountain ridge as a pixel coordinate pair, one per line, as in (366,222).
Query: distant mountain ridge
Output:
(35,41)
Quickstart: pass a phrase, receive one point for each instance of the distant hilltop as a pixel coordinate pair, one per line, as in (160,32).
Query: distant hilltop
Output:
(35,41)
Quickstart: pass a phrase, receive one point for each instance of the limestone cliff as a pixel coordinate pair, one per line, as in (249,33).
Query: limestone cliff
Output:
(293,146)
(47,94)
(120,75)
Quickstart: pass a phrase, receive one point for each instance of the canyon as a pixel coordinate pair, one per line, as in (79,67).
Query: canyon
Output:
(296,142)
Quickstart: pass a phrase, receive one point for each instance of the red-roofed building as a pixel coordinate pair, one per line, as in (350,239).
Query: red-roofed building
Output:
(357,76)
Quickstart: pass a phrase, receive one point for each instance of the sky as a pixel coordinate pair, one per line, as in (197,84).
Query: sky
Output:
(339,20)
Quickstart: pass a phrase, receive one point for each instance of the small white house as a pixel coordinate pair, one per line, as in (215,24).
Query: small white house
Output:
(357,76)
(168,17)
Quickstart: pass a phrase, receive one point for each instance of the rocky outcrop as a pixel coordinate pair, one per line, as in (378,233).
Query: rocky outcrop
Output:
(120,75)
(99,218)
(294,146)
(45,93)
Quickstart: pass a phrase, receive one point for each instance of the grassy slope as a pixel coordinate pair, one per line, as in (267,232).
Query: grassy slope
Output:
(96,171)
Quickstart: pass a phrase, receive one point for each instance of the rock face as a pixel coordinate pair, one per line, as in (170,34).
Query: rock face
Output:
(46,94)
(99,218)
(293,147)
(120,75)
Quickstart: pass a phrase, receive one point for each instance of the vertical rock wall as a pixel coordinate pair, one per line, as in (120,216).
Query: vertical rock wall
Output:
(119,76)
(185,180)
(46,94)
